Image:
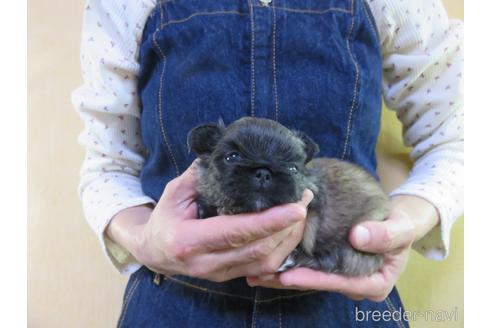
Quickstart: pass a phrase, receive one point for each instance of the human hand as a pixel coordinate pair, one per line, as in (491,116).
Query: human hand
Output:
(409,219)
(172,240)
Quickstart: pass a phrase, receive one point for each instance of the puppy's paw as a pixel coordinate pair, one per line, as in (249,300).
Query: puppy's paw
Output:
(289,263)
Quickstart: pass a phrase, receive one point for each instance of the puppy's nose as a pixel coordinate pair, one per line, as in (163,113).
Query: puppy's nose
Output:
(263,176)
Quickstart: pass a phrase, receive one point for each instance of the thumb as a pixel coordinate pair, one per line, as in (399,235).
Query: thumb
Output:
(398,231)
(307,197)
(182,188)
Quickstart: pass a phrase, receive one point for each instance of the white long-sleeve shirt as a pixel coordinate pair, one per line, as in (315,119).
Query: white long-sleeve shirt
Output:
(422,81)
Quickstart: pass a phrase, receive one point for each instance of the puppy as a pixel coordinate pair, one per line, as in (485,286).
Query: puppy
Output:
(254,164)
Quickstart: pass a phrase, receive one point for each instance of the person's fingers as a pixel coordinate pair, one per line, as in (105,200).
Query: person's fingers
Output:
(268,282)
(355,297)
(307,197)
(273,282)
(277,282)
(267,277)
(236,262)
(372,286)
(232,231)
(268,262)
(272,262)
(396,232)
(282,251)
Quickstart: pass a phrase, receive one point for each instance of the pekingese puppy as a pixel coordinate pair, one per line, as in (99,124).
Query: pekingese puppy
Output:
(254,164)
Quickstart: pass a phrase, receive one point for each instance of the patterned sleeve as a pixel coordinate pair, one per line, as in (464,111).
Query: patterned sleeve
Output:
(108,105)
(422,81)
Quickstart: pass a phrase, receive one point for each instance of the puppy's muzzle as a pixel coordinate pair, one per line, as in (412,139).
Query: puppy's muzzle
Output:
(262,177)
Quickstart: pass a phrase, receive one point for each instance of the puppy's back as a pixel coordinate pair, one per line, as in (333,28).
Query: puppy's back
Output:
(346,195)
(347,190)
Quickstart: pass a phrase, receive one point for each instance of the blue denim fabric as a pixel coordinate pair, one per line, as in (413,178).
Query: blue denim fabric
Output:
(312,65)
(153,300)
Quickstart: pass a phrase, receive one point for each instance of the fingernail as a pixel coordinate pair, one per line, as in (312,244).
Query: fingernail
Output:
(309,195)
(195,163)
(362,236)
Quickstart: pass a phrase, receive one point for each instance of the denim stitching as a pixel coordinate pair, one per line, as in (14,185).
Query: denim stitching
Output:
(204,13)
(161,13)
(203,289)
(309,11)
(288,296)
(127,300)
(161,122)
(364,9)
(306,11)
(253,81)
(280,314)
(253,317)
(354,97)
(214,291)
(274,64)
(390,305)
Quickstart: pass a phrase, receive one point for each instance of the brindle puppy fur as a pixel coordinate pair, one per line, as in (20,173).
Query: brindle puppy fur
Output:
(254,164)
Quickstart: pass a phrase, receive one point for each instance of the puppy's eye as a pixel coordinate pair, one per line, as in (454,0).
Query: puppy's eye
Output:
(292,168)
(233,157)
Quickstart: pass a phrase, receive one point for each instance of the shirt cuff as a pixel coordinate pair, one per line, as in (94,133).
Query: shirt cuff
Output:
(122,260)
(444,192)
(102,200)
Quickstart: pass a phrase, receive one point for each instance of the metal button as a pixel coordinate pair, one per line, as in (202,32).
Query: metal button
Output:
(157,279)
(265,2)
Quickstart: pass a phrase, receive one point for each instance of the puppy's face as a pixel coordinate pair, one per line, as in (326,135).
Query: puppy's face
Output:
(251,165)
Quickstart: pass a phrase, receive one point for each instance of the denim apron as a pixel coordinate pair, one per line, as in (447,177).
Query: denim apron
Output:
(312,65)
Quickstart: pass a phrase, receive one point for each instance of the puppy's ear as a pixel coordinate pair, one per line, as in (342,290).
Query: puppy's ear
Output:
(203,138)
(310,147)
